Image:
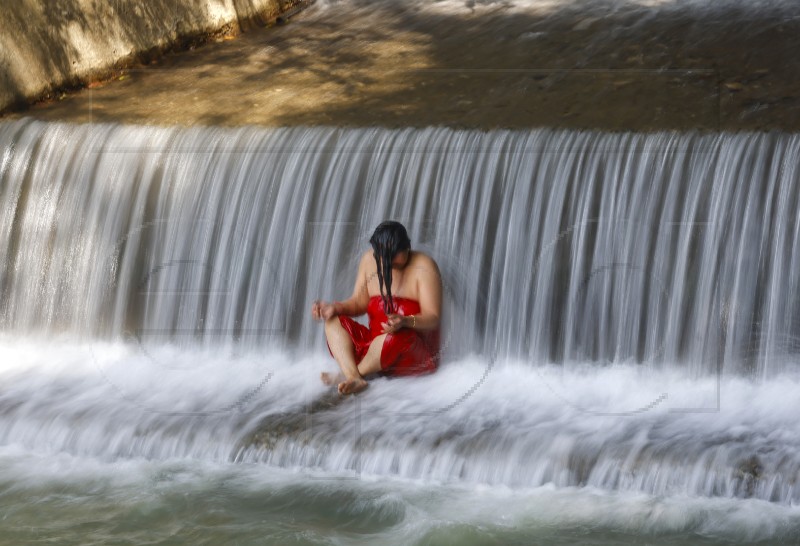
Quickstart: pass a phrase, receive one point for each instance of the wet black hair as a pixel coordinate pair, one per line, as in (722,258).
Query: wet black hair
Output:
(387,240)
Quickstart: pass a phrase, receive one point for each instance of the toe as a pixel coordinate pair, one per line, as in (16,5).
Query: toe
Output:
(348,387)
(352,386)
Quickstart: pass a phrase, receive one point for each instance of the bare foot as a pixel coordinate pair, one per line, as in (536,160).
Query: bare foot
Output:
(331,378)
(352,386)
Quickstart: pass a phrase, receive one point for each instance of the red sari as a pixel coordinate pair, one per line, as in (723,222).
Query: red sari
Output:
(405,352)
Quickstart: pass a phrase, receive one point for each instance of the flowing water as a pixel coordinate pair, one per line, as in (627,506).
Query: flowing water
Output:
(620,358)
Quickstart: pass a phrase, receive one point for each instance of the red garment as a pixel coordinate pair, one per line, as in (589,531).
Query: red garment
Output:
(405,352)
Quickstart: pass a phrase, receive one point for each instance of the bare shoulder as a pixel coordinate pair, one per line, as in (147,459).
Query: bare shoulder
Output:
(367,261)
(367,269)
(424,263)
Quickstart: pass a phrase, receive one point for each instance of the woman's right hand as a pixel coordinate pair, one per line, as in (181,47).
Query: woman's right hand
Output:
(321,310)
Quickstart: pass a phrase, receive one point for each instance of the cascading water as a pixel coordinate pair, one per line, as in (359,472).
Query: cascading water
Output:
(622,311)
(554,246)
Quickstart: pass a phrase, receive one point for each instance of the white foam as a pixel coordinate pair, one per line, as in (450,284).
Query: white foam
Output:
(622,427)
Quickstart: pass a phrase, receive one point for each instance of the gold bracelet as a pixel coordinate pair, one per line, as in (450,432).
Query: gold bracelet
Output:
(414,321)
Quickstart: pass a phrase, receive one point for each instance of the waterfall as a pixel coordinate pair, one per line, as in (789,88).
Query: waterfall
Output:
(623,290)
(554,246)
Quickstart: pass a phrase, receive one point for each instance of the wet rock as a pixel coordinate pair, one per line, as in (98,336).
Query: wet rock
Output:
(749,471)
(297,425)
(586,23)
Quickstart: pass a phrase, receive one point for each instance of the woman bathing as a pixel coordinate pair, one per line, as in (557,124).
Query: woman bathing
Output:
(401,291)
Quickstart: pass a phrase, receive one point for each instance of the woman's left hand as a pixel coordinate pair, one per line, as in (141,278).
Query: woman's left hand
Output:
(394,323)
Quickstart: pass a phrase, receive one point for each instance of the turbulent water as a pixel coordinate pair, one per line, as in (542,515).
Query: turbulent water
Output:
(620,356)
(104,442)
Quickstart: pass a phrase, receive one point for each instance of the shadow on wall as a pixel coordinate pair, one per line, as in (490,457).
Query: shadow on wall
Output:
(50,44)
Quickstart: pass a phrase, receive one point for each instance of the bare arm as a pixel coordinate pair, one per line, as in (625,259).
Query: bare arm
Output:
(430,296)
(353,306)
(356,304)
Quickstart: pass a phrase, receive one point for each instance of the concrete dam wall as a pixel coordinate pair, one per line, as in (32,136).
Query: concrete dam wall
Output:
(50,44)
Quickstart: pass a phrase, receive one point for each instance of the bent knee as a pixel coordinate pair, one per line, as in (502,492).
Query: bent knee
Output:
(378,341)
(332,322)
